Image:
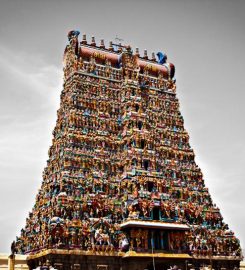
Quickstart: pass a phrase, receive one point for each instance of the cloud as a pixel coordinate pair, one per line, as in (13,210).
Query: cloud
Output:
(31,72)
(29,97)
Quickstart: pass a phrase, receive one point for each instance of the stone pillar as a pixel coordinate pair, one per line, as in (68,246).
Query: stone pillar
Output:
(11,262)
(152,240)
(131,243)
(162,244)
(169,241)
(146,240)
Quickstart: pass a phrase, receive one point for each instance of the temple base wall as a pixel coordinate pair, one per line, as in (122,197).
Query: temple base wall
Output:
(130,261)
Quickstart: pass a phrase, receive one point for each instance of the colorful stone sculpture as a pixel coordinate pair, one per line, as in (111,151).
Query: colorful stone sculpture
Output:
(121,175)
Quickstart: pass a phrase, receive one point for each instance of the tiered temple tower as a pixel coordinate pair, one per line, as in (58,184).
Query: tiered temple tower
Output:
(121,188)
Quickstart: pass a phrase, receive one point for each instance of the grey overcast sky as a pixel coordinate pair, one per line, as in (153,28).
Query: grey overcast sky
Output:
(204,39)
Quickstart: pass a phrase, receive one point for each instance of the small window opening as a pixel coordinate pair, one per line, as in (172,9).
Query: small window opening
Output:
(137,107)
(140,124)
(146,164)
(150,186)
(156,213)
(142,144)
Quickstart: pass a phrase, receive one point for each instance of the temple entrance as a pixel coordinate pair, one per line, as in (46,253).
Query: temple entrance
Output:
(158,240)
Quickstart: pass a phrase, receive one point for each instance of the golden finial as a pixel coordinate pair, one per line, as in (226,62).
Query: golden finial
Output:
(110,46)
(137,52)
(145,54)
(84,41)
(153,57)
(93,41)
(102,44)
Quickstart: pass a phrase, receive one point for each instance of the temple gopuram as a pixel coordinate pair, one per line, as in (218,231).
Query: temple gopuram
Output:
(121,189)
